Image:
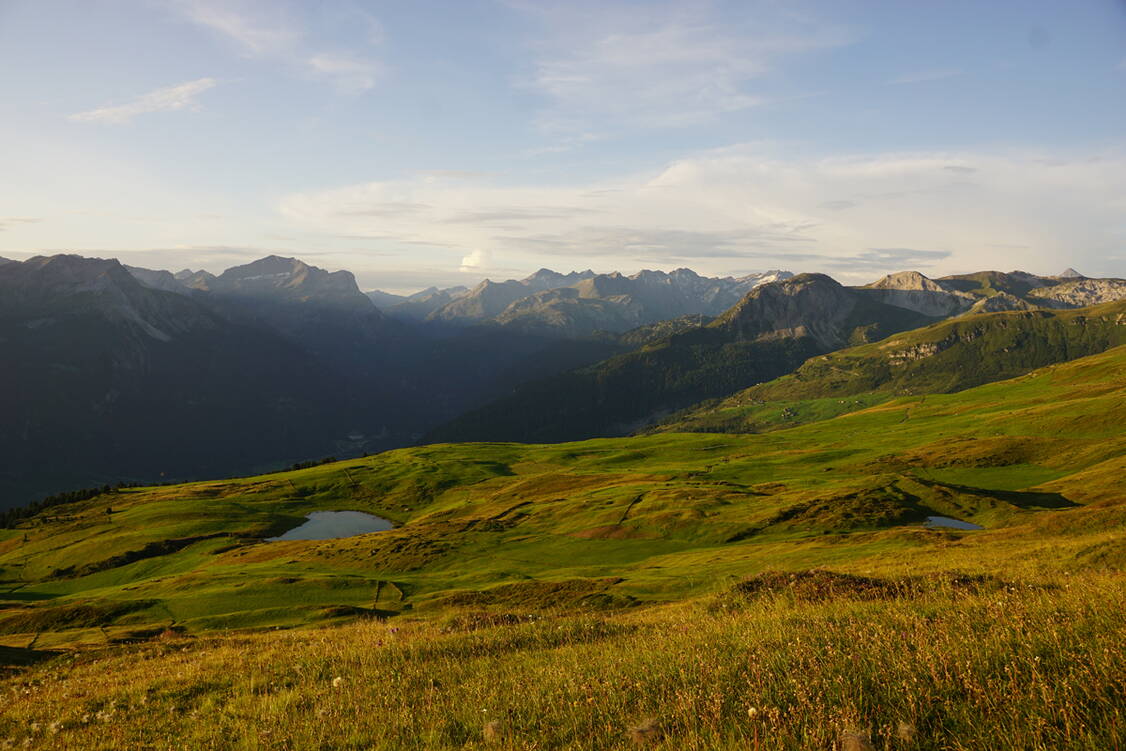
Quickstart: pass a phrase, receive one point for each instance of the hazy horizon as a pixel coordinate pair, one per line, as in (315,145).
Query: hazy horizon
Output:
(850,138)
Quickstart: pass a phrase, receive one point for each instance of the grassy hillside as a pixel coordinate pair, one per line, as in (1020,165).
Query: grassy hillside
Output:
(614,521)
(671,591)
(944,357)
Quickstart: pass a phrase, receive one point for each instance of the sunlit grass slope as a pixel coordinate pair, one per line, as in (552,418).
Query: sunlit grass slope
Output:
(997,668)
(598,524)
(945,357)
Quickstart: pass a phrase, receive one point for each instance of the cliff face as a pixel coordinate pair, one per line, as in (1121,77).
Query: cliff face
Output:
(913,291)
(1079,293)
(812,305)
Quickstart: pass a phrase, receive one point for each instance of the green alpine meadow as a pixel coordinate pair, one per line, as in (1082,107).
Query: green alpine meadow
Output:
(793,588)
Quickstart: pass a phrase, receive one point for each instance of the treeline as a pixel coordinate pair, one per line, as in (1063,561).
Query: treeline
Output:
(311,463)
(9,518)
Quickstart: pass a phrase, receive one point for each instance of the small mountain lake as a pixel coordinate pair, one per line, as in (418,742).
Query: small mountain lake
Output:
(946,521)
(330,525)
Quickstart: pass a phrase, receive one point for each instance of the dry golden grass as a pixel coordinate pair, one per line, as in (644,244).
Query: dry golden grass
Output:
(941,667)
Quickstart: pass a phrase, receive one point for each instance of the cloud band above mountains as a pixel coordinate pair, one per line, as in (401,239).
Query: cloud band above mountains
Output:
(743,207)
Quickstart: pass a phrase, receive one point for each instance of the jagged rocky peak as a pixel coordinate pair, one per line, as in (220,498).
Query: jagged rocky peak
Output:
(1070,273)
(78,273)
(548,279)
(156,279)
(765,277)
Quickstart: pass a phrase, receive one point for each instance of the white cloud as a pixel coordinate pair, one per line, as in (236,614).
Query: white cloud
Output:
(178,97)
(743,208)
(925,76)
(350,75)
(477,261)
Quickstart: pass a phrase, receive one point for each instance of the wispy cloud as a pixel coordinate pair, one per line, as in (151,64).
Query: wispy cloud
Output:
(925,76)
(267,31)
(170,98)
(669,66)
(350,75)
(257,29)
(15,221)
(746,208)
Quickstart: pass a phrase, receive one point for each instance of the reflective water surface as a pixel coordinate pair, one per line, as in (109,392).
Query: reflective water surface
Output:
(329,525)
(946,521)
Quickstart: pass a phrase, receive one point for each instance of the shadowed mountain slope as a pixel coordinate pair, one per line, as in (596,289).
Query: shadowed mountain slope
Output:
(774,329)
(109,379)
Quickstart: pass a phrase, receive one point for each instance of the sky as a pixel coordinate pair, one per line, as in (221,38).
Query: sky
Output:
(420,142)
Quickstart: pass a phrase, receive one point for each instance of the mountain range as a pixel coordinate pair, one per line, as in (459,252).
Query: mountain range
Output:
(579,303)
(770,331)
(131,374)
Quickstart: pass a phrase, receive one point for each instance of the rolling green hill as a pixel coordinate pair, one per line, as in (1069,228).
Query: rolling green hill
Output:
(608,522)
(945,357)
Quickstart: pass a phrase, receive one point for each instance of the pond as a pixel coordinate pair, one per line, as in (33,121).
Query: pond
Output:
(330,525)
(946,521)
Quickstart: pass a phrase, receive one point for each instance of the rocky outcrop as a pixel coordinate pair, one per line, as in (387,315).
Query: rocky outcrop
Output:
(913,291)
(1000,302)
(1079,293)
(814,306)
(162,280)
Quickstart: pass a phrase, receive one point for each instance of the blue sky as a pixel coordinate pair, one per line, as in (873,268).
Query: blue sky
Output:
(435,142)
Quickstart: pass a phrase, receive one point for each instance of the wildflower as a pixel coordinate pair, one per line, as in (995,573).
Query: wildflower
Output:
(337,682)
(751,712)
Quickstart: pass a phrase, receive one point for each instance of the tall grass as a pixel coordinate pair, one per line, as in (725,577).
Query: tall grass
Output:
(938,668)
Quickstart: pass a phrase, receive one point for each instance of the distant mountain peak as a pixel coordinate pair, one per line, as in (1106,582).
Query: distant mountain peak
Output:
(1070,273)
(912,280)
(271,265)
